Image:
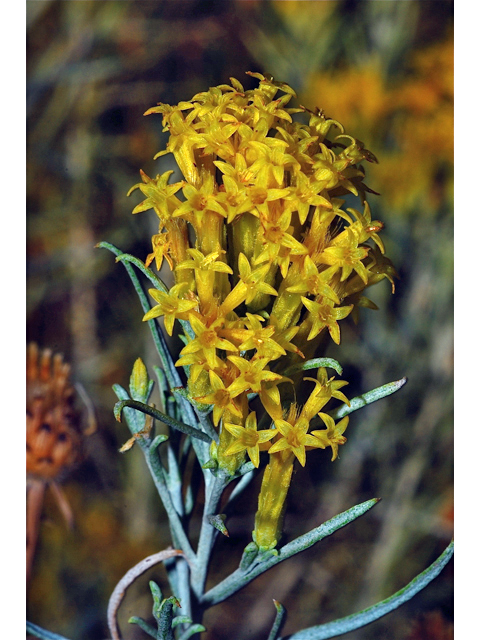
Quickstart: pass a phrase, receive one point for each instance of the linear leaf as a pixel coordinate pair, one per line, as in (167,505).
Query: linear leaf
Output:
(367,398)
(172,374)
(155,280)
(278,622)
(314,364)
(195,628)
(38,632)
(143,625)
(135,421)
(159,415)
(362,618)
(239,578)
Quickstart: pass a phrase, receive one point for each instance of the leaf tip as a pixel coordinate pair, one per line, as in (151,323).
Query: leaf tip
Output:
(278,605)
(117,411)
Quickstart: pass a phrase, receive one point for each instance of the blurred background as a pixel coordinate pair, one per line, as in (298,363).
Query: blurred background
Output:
(384,69)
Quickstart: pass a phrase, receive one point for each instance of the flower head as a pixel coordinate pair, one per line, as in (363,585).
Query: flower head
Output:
(170,305)
(207,340)
(332,436)
(294,436)
(221,398)
(248,439)
(324,314)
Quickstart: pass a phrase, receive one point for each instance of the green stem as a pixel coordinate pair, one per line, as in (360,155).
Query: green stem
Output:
(157,472)
(207,532)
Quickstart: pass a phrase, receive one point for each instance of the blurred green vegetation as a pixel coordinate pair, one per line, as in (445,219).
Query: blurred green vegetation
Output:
(384,69)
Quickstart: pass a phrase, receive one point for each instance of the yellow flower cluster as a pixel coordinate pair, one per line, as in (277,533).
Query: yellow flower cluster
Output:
(266,264)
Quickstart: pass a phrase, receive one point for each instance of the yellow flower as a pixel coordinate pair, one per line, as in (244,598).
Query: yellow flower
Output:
(294,436)
(324,390)
(221,398)
(313,281)
(345,253)
(332,436)
(283,337)
(366,228)
(205,267)
(254,336)
(248,439)
(333,172)
(272,162)
(197,203)
(160,195)
(207,340)
(161,248)
(275,236)
(252,374)
(183,140)
(249,285)
(197,362)
(233,196)
(324,314)
(170,305)
(200,262)
(263,254)
(306,193)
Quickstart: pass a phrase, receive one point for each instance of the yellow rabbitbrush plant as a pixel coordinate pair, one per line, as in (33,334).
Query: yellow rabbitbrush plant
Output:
(267,262)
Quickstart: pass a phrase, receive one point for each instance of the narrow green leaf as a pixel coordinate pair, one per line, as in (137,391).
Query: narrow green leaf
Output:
(278,622)
(143,625)
(135,420)
(362,618)
(367,398)
(181,620)
(38,632)
(189,500)
(158,441)
(195,628)
(156,595)
(155,280)
(241,577)
(158,337)
(326,529)
(316,363)
(158,415)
